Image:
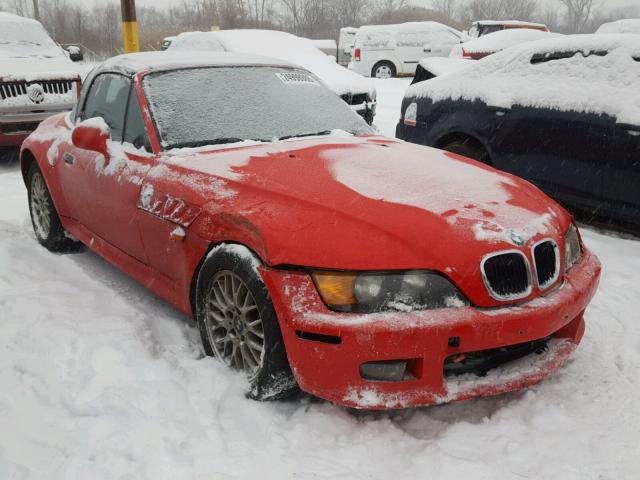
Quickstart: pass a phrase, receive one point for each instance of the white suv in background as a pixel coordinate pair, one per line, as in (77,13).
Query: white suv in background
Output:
(37,79)
(385,51)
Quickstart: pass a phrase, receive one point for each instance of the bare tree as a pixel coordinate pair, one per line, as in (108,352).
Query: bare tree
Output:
(446,7)
(350,12)
(578,13)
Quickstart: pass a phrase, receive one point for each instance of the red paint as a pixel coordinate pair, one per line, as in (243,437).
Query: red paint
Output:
(283,201)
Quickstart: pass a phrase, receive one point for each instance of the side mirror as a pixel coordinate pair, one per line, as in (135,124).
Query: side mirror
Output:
(75,53)
(92,134)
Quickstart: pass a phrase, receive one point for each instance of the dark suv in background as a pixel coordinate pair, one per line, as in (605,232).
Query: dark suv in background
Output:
(550,112)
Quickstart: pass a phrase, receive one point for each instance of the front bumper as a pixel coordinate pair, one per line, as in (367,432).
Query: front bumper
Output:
(16,127)
(326,349)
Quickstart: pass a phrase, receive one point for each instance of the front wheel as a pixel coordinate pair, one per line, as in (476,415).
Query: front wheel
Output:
(238,323)
(469,150)
(44,218)
(383,70)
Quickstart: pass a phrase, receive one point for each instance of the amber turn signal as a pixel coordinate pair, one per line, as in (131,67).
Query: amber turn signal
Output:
(335,288)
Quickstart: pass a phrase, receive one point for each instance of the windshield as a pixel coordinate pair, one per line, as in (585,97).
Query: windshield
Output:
(205,106)
(26,39)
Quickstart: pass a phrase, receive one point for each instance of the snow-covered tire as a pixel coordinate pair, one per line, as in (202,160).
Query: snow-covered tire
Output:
(470,150)
(9,155)
(238,323)
(383,69)
(44,218)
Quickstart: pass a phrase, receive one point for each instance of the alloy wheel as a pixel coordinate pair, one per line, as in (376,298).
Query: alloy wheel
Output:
(233,324)
(40,206)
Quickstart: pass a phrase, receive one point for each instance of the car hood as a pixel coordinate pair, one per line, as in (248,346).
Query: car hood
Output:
(369,203)
(31,69)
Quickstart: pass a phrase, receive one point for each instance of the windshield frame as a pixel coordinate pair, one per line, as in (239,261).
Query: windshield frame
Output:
(139,80)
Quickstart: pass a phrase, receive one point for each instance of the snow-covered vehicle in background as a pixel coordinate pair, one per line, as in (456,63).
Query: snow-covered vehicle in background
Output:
(166,42)
(496,42)
(627,25)
(485,27)
(358,92)
(562,113)
(385,51)
(313,253)
(346,41)
(433,67)
(37,79)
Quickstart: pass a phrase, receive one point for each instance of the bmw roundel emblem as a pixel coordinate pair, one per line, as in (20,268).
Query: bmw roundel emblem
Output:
(35,92)
(516,238)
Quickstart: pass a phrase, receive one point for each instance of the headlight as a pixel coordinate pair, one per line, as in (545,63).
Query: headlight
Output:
(572,247)
(379,292)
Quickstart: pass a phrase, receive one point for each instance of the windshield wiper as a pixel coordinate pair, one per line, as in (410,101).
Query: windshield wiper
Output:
(312,134)
(217,141)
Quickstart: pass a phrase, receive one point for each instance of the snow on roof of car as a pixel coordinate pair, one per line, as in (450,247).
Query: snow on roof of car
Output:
(401,27)
(443,65)
(197,41)
(514,23)
(497,41)
(584,73)
(139,62)
(628,25)
(295,50)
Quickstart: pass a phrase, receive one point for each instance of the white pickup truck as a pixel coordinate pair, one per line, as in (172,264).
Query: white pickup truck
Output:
(37,79)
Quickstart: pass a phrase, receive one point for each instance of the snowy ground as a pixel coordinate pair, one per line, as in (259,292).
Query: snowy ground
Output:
(101,380)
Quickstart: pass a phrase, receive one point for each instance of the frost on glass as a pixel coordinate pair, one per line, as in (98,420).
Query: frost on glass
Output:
(203,106)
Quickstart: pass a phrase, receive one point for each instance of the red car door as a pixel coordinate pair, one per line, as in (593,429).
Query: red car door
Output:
(103,193)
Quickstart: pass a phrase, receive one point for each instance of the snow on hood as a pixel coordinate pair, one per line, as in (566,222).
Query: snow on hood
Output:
(396,187)
(497,41)
(591,84)
(461,192)
(299,51)
(25,38)
(30,69)
(629,25)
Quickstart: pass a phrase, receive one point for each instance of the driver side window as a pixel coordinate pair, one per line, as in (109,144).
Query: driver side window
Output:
(108,99)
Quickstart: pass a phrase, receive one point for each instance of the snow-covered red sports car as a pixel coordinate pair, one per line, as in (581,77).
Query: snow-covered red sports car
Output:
(367,271)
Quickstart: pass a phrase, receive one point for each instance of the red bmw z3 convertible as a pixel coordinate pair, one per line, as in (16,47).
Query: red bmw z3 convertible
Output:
(313,253)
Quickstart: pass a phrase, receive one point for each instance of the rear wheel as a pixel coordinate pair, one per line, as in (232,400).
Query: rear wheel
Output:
(238,323)
(44,218)
(469,149)
(383,70)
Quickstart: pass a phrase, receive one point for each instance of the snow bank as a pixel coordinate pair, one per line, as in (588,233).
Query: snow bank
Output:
(594,84)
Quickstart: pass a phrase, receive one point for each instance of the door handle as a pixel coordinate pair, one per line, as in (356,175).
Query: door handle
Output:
(68,158)
(427,50)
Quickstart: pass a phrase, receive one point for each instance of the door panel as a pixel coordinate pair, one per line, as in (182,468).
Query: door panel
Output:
(622,184)
(105,192)
(563,153)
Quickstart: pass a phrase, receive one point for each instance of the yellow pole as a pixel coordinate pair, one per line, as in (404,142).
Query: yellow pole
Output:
(129,26)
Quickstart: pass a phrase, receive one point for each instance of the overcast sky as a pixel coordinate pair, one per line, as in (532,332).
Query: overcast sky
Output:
(608,3)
